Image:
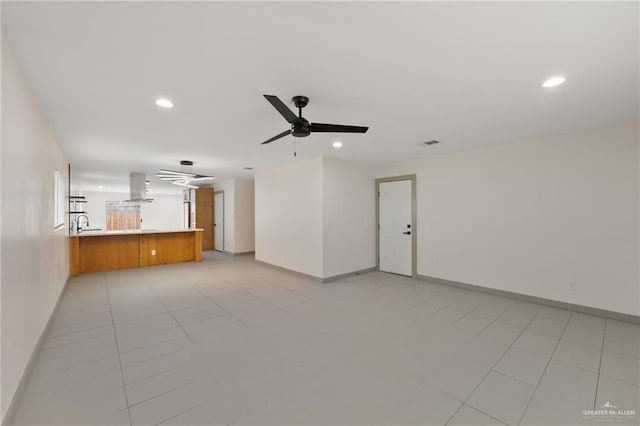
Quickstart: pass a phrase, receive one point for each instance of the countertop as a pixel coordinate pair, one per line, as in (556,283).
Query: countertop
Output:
(133,232)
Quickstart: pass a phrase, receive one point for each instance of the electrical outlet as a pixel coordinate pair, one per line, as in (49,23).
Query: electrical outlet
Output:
(153,252)
(573,285)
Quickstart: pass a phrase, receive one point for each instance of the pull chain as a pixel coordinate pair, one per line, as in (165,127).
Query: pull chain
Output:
(295,150)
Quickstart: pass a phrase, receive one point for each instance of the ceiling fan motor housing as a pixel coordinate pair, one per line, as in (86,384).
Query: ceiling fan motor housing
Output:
(300,129)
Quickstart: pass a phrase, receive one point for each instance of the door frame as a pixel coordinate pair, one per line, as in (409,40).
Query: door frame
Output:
(214,219)
(414,220)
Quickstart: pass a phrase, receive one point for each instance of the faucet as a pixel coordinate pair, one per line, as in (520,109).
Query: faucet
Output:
(78,223)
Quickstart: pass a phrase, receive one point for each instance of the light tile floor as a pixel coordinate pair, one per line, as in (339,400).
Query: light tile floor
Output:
(230,341)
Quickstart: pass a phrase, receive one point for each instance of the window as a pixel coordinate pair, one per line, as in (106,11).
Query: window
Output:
(58,200)
(122,216)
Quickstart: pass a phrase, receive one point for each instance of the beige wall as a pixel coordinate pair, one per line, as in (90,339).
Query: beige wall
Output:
(527,217)
(34,256)
(228,186)
(532,217)
(316,217)
(288,217)
(239,218)
(348,194)
(244,215)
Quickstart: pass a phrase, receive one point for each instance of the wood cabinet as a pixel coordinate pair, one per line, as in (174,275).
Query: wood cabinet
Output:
(168,248)
(108,252)
(204,216)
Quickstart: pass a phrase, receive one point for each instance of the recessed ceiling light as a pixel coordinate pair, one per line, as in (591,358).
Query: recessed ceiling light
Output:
(164,103)
(337,144)
(100,187)
(554,81)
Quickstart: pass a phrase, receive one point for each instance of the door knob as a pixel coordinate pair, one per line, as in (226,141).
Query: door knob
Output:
(407,233)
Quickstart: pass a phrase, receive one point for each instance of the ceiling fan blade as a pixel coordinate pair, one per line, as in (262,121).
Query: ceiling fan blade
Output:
(336,128)
(276,137)
(288,115)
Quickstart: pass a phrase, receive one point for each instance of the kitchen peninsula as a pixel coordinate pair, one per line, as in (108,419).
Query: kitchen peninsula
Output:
(107,251)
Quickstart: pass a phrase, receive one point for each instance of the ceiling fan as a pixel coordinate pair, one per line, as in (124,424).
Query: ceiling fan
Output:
(300,127)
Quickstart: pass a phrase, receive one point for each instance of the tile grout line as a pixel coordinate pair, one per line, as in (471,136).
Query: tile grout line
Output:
(464,316)
(153,344)
(77,331)
(70,319)
(497,319)
(492,320)
(37,378)
(194,317)
(257,297)
(200,379)
(421,303)
(78,341)
(277,308)
(180,413)
(79,350)
(494,364)
(121,324)
(203,302)
(158,356)
(188,363)
(480,411)
(63,387)
(155,294)
(436,311)
(219,306)
(604,333)
(545,367)
(124,387)
(506,308)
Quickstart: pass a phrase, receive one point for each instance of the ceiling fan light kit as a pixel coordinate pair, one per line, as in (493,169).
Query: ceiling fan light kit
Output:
(300,126)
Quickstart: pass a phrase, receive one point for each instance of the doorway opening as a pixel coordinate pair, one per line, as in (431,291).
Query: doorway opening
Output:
(218,221)
(396,234)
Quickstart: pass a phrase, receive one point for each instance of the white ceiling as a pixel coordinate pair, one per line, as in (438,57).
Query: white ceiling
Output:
(467,74)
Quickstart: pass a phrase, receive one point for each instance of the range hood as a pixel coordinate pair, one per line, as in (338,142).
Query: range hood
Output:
(138,188)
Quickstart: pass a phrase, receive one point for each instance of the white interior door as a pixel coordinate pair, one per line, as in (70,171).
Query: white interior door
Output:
(218,221)
(394,203)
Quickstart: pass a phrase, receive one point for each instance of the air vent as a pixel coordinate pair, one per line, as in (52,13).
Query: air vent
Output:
(429,143)
(248,168)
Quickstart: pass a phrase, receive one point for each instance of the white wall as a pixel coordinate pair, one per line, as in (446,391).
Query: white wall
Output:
(532,217)
(288,217)
(35,258)
(316,217)
(239,217)
(348,222)
(165,212)
(228,186)
(244,213)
